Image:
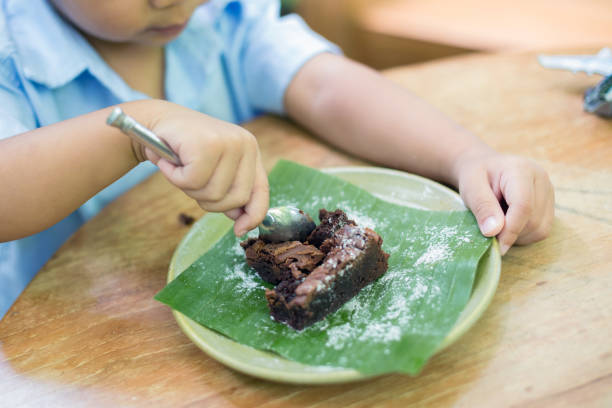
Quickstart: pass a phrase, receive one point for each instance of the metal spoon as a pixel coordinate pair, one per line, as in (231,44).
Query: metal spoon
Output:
(285,224)
(280,223)
(141,134)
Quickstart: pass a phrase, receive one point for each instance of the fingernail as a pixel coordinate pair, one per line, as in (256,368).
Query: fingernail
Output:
(503,248)
(489,226)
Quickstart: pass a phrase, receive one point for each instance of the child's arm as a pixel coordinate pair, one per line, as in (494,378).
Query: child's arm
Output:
(357,109)
(49,172)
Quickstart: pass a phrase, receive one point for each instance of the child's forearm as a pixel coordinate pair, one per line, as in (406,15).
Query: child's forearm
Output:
(356,108)
(49,172)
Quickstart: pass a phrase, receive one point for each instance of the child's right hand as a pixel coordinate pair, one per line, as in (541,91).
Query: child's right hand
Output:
(222,168)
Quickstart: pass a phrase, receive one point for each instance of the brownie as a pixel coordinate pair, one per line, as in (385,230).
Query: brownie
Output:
(331,221)
(281,261)
(316,277)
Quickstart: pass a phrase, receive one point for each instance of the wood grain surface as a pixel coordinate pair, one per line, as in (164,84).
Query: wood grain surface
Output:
(87,331)
(490,25)
(388,33)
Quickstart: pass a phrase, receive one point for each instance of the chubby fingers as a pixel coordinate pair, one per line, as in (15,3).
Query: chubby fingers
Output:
(519,193)
(234,213)
(199,163)
(247,201)
(539,225)
(255,210)
(230,186)
(480,199)
(527,191)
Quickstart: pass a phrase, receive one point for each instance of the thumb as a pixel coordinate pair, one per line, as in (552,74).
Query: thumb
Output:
(255,210)
(481,200)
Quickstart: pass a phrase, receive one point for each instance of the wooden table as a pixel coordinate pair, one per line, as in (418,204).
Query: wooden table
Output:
(492,25)
(87,332)
(387,33)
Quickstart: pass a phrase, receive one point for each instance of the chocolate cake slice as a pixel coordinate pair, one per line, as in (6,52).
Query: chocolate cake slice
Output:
(282,261)
(316,277)
(331,221)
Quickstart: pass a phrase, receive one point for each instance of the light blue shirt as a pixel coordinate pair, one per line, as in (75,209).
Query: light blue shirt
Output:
(233,61)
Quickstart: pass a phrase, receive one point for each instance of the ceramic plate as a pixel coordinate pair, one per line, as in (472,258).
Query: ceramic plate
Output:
(397,187)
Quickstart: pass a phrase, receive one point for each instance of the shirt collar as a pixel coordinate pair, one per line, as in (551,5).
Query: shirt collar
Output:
(50,50)
(57,54)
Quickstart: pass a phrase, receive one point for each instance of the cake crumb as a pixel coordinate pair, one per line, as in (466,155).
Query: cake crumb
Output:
(185,219)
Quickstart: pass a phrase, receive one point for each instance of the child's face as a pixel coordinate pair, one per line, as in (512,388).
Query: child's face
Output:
(149,22)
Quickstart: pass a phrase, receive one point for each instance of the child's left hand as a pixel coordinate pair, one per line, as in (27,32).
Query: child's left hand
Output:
(488,181)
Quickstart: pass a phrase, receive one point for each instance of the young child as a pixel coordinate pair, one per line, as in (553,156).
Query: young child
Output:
(188,71)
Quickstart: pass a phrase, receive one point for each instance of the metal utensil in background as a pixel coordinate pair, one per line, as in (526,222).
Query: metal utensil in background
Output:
(280,224)
(597,99)
(600,63)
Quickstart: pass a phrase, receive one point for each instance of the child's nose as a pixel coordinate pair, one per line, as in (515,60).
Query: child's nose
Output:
(164,3)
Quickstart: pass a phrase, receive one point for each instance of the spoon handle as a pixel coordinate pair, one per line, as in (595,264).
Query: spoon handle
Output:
(141,134)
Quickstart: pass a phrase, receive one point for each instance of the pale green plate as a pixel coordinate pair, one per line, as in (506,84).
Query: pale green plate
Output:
(397,187)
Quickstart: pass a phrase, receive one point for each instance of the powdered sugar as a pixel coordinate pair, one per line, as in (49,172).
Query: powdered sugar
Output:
(331,263)
(244,281)
(350,241)
(363,220)
(402,294)
(237,250)
(238,272)
(435,253)
(381,332)
(419,289)
(439,247)
(337,336)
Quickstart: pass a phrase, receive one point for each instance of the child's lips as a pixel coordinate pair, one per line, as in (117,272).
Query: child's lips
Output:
(169,30)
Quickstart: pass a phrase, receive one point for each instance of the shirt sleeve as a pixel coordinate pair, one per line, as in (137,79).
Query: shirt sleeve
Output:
(275,48)
(16,115)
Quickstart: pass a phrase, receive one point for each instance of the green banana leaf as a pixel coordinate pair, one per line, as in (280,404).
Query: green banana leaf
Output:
(392,325)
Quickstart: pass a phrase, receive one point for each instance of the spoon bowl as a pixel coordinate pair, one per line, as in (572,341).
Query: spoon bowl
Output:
(285,224)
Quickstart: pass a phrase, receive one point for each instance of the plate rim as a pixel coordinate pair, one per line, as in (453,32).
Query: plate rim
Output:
(336,375)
